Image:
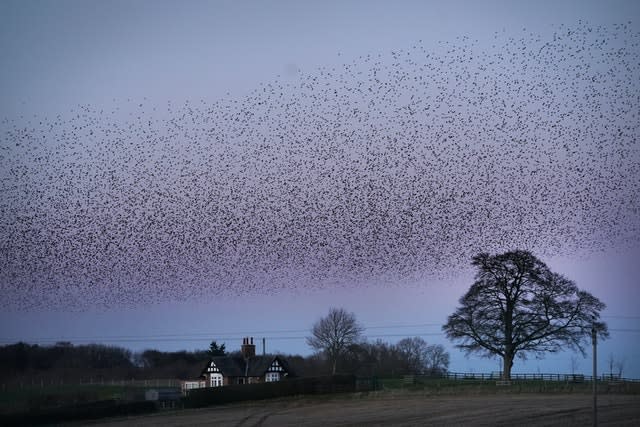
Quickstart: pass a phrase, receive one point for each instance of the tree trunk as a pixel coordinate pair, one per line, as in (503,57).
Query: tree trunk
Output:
(335,360)
(507,363)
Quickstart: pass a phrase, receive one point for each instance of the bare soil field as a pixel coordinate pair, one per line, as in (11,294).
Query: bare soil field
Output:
(407,409)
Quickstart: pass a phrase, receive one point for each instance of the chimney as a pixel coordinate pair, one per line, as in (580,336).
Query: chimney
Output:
(248,349)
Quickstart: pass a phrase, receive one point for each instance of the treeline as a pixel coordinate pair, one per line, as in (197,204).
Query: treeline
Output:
(68,363)
(382,359)
(64,362)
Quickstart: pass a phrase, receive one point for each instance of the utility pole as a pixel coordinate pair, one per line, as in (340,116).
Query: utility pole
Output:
(594,341)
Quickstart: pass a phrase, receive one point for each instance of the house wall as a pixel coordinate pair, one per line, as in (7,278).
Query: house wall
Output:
(238,380)
(243,380)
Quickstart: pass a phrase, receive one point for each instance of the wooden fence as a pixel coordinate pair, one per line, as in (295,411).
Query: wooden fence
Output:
(29,383)
(496,376)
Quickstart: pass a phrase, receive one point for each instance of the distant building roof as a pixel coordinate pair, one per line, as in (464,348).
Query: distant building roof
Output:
(238,366)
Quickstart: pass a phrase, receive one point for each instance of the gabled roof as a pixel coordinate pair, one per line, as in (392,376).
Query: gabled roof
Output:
(192,373)
(238,366)
(227,366)
(259,365)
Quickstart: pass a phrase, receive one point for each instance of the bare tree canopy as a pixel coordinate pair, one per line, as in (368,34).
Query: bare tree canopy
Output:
(616,365)
(436,359)
(517,305)
(421,357)
(334,333)
(413,352)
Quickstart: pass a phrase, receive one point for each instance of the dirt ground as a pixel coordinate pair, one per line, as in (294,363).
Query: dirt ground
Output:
(407,409)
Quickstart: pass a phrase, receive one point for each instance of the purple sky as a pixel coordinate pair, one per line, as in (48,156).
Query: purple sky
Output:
(73,68)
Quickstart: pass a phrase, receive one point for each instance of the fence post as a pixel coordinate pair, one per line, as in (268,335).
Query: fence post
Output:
(594,342)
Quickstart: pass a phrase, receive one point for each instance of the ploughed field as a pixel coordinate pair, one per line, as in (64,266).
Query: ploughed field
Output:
(406,408)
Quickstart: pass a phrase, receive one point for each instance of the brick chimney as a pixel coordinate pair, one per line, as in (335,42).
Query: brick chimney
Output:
(248,349)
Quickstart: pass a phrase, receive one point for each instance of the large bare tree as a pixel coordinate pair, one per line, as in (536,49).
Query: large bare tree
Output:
(334,333)
(517,306)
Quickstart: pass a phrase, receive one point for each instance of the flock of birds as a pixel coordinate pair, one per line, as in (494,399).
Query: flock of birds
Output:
(395,166)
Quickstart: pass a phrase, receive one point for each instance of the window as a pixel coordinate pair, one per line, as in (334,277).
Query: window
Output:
(216,380)
(272,377)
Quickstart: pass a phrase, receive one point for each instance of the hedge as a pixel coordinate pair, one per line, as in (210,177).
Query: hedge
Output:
(293,386)
(85,411)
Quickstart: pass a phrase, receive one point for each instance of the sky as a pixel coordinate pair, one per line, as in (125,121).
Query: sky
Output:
(174,173)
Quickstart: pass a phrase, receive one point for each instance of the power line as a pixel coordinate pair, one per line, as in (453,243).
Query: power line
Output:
(237,336)
(186,339)
(208,335)
(621,317)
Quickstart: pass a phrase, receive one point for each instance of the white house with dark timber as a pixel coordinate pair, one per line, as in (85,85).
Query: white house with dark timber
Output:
(246,368)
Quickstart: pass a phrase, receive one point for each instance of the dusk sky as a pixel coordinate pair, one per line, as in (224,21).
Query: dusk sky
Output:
(177,172)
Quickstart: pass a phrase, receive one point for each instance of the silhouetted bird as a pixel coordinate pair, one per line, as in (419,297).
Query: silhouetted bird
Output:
(394,166)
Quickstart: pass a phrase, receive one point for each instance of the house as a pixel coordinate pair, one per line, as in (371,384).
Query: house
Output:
(245,368)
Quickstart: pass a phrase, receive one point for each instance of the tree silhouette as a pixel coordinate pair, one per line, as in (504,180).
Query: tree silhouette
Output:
(334,334)
(418,357)
(217,350)
(517,305)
